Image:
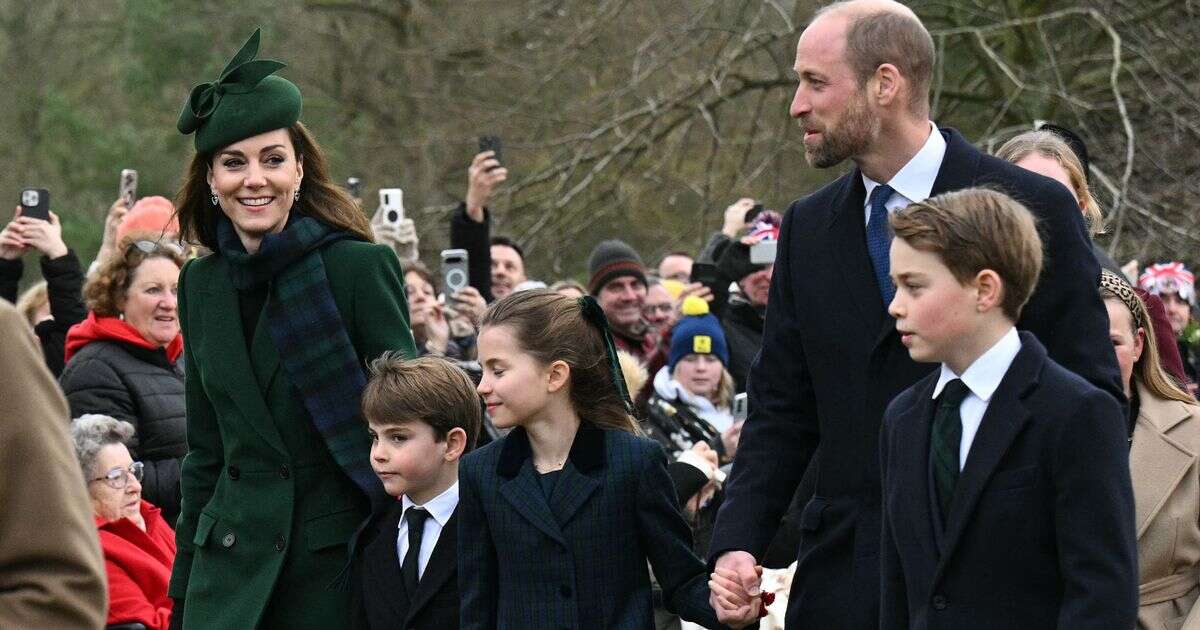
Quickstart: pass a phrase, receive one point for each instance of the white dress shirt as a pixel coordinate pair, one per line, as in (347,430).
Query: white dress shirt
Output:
(440,509)
(914,182)
(982,378)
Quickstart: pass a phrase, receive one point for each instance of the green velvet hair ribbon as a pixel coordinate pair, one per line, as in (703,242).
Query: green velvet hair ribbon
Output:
(593,314)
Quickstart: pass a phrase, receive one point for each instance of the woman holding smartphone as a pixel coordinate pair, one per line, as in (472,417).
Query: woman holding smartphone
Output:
(278,322)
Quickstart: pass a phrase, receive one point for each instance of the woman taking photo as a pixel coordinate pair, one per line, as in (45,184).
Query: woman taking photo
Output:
(1164,442)
(122,361)
(278,322)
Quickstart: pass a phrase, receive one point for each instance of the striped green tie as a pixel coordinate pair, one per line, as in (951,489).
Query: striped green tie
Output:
(944,441)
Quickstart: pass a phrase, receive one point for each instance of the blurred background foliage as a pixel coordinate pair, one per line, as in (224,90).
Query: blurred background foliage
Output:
(633,119)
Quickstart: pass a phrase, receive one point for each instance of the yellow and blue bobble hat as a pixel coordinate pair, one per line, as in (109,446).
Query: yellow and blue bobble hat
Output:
(245,100)
(697,332)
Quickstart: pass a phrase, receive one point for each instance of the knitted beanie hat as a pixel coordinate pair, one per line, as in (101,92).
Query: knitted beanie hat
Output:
(150,214)
(697,332)
(611,260)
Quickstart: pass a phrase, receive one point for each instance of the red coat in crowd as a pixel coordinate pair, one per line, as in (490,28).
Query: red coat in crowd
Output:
(138,564)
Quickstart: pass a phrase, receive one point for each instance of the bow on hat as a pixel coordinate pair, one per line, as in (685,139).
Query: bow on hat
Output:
(242,74)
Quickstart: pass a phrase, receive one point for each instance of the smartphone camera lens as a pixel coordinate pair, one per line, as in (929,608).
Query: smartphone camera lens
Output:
(393,216)
(29,198)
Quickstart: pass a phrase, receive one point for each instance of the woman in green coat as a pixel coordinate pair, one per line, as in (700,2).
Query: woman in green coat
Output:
(277,322)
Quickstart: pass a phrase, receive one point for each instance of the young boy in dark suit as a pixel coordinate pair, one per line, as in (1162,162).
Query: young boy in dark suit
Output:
(1006,494)
(423,415)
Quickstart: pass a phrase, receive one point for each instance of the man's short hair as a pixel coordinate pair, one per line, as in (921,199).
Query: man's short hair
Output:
(508,242)
(877,36)
(431,390)
(975,229)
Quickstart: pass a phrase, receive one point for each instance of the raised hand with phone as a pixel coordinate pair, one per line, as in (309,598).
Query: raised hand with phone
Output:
(484,175)
(392,228)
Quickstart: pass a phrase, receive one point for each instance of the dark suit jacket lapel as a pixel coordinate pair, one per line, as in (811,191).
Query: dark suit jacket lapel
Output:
(848,240)
(223,338)
(912,433)
(1006,415)
(519,485)
(442,567)
(381,566)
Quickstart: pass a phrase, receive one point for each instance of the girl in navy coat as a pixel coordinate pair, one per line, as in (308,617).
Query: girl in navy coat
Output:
(558,519)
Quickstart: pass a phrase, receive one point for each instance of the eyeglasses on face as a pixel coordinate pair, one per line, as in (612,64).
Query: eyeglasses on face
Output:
(664,308)
(118,477)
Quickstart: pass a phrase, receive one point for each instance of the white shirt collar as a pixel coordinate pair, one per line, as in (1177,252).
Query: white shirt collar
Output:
(441,507)
(915,180)
(984,375)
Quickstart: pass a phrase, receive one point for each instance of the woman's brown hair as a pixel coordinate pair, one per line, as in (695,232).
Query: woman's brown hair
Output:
(1147,370)
(551,327)
(104,290)
(320,198)
(1049,145)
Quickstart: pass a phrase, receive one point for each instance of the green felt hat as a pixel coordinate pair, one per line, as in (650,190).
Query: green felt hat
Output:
(244,101)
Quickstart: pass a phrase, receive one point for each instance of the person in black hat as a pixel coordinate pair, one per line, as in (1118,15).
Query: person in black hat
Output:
(277,322)
(618,282)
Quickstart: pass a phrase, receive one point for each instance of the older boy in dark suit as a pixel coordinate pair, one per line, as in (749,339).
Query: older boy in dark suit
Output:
(1006,494)
(422,414)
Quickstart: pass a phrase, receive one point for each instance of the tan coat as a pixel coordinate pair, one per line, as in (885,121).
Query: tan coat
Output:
(1166,489)
(51,570)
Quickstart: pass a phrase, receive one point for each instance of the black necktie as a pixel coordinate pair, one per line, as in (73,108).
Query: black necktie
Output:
(945,440)
(415,517)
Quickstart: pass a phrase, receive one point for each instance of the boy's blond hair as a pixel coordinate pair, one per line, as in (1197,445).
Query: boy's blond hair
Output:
(975,229)
(428,389)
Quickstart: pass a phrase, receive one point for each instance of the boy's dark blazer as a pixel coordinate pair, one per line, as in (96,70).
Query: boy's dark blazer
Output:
(577,560)
(1041,528)
(831,361)
(379,593)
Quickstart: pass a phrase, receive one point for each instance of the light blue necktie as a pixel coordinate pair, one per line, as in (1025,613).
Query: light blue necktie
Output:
(879,240)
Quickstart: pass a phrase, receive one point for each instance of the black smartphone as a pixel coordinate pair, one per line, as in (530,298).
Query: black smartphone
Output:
(708,275)
(35,202)
(492,143)
(753,213)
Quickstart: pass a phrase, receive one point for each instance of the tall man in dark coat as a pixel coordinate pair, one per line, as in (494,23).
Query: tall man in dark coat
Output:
(831,359)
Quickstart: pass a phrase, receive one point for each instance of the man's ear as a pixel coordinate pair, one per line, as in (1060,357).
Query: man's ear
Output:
(456,443)
(990,290)
(557,376)
(887,85)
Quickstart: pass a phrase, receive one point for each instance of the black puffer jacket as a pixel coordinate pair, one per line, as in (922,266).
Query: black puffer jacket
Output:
(142,387)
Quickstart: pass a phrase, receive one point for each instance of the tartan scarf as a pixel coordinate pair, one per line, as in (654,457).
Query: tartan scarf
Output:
(309,334)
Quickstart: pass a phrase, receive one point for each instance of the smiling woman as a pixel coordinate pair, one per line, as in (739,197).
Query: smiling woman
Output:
(278,323)
(122,361)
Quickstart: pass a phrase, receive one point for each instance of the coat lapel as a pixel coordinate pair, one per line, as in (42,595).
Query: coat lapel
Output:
(264,356)
(441,567)
(848,240)
(382,565)
(520,485)
(1006,415)
(574,486)
(1157,462)
(912,437)
(959,166)
(223,338)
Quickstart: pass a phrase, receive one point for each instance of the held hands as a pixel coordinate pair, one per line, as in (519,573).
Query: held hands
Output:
(735,590)
(483,176)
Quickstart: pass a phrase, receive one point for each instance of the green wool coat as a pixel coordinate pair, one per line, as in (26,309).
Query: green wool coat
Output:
(266,511)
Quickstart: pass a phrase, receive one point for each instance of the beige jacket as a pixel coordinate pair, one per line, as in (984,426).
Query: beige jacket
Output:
(51,570)
(1166,491)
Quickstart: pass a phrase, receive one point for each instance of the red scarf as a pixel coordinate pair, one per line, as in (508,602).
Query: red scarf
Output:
(113,329)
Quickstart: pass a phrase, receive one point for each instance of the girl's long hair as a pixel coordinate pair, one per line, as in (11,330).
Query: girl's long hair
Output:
(551,327)
(320,198)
